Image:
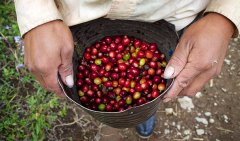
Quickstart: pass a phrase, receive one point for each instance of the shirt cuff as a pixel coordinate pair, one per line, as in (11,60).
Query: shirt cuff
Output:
(228,8)
(32,13)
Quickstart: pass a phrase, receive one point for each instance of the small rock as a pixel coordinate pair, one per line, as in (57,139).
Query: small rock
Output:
(198,95)
(211,83)
(179,134)
(200,132)
(215,104)
(233,67)
(208,114)
(211,120)
(225,118)
(202,120)
(196,126)
(166,131)
(227,61)
(178,127)
(187,132)
(199,114)
(186,103)
(224,90)
(169,111)
(217,140)
(165,124)
(186,138)
(173,123)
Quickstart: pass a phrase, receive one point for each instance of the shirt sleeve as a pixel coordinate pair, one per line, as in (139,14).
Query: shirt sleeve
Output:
(32,13)
(228,8)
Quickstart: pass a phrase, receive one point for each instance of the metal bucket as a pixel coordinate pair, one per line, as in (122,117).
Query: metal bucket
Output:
(161,32)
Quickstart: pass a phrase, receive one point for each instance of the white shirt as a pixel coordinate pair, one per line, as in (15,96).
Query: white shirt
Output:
(32,13)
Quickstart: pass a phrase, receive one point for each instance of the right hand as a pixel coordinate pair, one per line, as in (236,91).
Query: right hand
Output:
(48,50)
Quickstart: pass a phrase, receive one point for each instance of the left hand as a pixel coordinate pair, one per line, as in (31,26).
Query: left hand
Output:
(199,55)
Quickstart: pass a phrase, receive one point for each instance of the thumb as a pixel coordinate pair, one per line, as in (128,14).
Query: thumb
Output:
(66,68)
(177,61)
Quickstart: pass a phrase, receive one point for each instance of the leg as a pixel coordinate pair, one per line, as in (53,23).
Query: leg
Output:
(145,129)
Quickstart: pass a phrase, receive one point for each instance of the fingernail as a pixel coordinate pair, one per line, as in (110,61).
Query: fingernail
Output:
(168,72)
(167,100)
(69,81)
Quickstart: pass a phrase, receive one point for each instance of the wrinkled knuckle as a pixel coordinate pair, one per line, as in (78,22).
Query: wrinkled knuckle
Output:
(66,68)
(177,61)
(182,83)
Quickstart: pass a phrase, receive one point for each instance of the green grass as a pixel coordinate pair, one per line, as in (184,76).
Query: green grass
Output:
(27,111)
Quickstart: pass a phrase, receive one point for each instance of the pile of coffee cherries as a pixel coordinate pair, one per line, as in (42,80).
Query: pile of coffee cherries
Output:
(120,72)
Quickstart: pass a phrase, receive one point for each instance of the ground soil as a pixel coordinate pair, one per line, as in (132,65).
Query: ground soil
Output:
(220,98)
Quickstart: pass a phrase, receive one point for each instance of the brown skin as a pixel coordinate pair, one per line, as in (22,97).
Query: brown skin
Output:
(204,42)
(49,49)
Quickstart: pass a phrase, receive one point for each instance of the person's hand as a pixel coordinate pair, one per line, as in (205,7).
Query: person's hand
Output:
(48,50)
(199,55)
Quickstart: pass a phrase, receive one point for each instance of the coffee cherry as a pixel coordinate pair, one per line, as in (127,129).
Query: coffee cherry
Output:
(133,84)
(87,56)
(98,61)
(113,46)
(138,88)
(98,100)
(94,51)
(153,47)
(109,108)
(83,99)
(151,71)
(153,64)
(112,54)
(136,95)
(80,93)
(85,88)
(90,93)
(97,81)
(114,76)
(94,67)
(120,72)
(108,67)
(115,83)
(79,82)
(122,66)
(101,107)
(140,54)
(137,43)
(149,54)
(126,56)
(129,100)
(161,87)
(142,61)
(141,101)
(155,93)
(125,41)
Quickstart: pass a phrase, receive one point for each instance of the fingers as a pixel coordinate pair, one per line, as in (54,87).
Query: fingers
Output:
(183,80)
(66,68)
(179,67)
(51,83)
(199,82)
(177,61)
